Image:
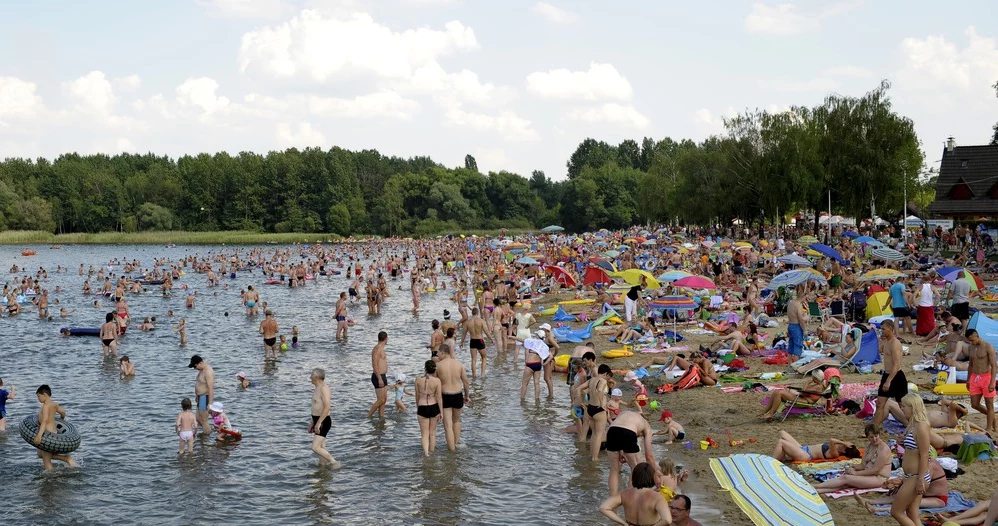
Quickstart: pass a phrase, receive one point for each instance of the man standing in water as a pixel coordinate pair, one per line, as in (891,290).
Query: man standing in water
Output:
(341,317)
(250,300)
(269,329)
(46,424)
(379,363)
(893,383)
(622,441)
(204,390)
(477,330)
(454,388)
(321,422)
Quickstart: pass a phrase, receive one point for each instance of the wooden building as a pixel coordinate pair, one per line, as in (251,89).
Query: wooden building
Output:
(967,186)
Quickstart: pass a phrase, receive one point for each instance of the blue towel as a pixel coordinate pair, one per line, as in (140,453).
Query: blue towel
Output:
(957,503)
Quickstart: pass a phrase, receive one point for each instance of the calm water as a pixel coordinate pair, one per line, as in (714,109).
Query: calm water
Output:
(515,466)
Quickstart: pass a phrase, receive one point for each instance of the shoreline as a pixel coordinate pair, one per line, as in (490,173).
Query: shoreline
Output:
(186,237)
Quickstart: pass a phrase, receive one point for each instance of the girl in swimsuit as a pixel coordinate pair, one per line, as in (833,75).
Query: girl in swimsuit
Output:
(915,462)
(598,388)
(429,405)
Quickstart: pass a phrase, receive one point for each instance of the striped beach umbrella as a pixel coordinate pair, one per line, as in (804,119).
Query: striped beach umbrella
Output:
(888,254)
(769,492)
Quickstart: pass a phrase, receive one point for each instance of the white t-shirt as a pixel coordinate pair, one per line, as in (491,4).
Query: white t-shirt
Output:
(925,297)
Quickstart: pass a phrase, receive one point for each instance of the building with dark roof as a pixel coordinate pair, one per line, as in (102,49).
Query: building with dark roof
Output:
(967,186)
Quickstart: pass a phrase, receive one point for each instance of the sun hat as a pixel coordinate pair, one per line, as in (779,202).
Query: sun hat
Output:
(630,376)
(665,414)
(616,392)
(545,326)
(241,374)
(216,407)
(541,333)
(400,377)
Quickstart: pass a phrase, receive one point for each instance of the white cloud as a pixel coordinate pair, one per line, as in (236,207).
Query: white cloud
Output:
(322,45)
(941,76)
(600,82)
(554,13)
(788,19)
(709,123)
(611,113)
(302,136)
(492,159)
(821,85)
(464,85)
(18,100)
(507,124)
(200,93)
(129,83)
(245,8)
(387,104)
(93,94)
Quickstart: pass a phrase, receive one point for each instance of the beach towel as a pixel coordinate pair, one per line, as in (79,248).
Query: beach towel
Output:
(850,492)
(968,453)
(957,503)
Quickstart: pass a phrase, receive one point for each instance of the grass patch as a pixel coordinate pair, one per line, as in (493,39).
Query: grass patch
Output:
(30,237)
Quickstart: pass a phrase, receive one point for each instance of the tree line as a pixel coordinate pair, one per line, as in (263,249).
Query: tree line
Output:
(765,165)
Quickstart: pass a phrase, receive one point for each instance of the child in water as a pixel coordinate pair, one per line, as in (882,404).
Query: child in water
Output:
(219,420)
(186,425)
(400,391)
(284,343)
(294,342)
(613,405)
(182,329)
(146,325)
(127,369)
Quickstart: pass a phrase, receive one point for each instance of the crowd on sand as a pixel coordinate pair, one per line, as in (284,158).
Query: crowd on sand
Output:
(637,319)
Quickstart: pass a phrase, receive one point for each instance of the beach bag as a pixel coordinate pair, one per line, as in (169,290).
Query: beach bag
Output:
(781,358)
(869,408)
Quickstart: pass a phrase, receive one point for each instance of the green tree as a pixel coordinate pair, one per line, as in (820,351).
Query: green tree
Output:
(590,153)
(338,219)
(470,163)
(150,216)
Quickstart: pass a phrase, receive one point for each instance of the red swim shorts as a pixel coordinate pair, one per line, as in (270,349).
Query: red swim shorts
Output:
(977,384)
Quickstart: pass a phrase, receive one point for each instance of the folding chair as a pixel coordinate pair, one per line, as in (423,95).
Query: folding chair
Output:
(814,310)
(816,408)
(837,309)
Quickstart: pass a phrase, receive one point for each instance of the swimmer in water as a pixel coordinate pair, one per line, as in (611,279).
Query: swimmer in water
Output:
(64,312)
(400,393)
(243,381)
(127,369)
(182,329)
(186,426)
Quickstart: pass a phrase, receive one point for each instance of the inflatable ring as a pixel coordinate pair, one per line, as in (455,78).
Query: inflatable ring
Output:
(229,433)
(650,264)
(63,442)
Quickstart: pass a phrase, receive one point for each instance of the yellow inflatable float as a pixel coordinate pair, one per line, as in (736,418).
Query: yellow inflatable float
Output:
(618,353)
(549,311)
(957,389)
(562,360)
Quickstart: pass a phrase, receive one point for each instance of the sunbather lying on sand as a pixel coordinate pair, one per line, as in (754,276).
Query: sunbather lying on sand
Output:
(789,449)
(871,473)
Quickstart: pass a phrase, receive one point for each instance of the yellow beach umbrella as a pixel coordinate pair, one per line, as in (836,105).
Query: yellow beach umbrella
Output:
(634,276)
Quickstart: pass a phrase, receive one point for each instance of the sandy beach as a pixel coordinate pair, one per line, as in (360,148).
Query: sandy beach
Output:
(709,412)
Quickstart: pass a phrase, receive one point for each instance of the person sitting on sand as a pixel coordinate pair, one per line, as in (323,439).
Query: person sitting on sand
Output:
(672,429)
(936,493)
(981,513)
(871,473)
(789,449)
(940,331)
(810,393)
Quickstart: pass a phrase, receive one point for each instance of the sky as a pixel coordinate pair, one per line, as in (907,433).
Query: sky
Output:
(517,84)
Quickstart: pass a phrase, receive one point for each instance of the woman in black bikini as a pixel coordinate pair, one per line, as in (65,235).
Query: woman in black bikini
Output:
(598,389)
(428,406)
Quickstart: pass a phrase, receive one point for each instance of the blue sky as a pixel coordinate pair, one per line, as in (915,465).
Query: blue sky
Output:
(518,84)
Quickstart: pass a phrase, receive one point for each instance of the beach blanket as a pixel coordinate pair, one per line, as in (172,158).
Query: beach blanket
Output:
(764,353)
(856,390)
(891,426)
(957,503)
(700,331)
(655,350)
(810,467)
(970,452)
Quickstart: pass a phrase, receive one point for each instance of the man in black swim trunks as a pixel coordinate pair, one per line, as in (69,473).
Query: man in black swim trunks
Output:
(379,378)
(622,444)
(453,380)
(893,383)
(477,330)
(321,422)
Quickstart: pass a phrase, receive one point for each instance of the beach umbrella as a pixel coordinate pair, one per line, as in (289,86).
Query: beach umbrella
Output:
(611,253)
(603,264)
(634,276)
(526,261)
(969,277)
(560,275)
(630,240)
(602,244)
(867,240)
(769,492)
(743,244)
(641,239)
(807,240)
(552,228)
(516,245)
(792,278)
(649,243)
(673,275)
(794,259)
(881,273)
(827,251)
(695,282)
(595,275)
(674,303)
(850,234)
(888,254)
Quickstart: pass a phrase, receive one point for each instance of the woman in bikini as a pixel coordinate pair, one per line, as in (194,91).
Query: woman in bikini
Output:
(788,448)
(871,473)
(915,462)
(597,388)
(429,405)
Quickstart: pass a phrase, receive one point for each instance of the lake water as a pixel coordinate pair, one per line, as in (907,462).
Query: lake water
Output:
(514,466)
